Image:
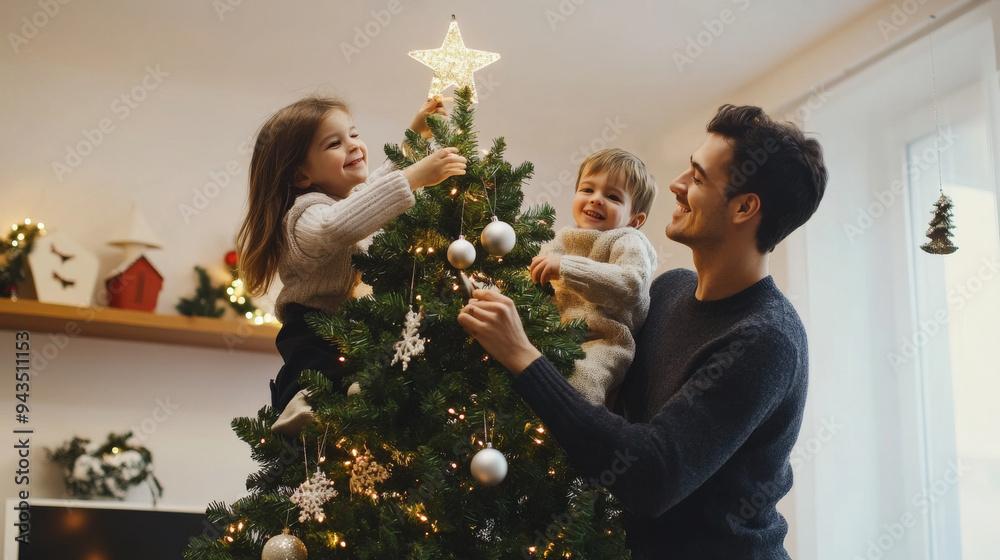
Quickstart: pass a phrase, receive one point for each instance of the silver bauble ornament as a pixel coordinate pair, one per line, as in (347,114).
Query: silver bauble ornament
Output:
(489,466)
(284,547)
(498,238)
(461,253)
(354,389)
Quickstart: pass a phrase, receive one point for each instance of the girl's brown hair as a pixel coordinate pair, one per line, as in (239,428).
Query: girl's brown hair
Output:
(282,146)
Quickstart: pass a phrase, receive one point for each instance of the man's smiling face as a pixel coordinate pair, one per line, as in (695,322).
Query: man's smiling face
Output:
(701,217)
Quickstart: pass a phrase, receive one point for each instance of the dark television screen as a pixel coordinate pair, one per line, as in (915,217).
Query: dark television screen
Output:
(80,533)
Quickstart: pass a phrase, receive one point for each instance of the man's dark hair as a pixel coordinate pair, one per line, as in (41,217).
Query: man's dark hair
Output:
(776,162)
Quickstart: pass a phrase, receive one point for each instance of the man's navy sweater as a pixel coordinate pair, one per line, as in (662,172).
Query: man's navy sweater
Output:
(713,404)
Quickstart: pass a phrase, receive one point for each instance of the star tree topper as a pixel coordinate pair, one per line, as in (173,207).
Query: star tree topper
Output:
(453,63)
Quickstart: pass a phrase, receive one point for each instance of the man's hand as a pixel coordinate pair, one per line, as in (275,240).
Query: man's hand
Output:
(491,318)
(433,106)
(544,269)
(435,168)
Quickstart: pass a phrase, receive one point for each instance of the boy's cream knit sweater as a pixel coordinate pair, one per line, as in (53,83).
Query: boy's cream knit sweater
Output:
(604,278)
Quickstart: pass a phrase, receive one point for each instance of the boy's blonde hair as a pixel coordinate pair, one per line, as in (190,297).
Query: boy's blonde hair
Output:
(626,170)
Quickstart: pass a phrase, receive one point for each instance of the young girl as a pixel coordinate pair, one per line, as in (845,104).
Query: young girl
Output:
(312,204)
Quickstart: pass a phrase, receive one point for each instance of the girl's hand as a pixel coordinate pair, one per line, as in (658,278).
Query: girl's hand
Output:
(435,168)
(544,269)
(491,318)
(433,106)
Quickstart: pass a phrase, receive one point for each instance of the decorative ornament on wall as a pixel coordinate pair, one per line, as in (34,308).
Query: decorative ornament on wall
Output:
(454,63)
(64,272)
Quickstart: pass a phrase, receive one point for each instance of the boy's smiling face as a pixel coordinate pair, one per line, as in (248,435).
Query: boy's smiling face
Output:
(602,206)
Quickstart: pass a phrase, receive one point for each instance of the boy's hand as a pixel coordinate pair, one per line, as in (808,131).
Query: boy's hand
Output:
(544,269)
(435,168)
(433,106)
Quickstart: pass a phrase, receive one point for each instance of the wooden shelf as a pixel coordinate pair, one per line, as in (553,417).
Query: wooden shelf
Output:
(123,324)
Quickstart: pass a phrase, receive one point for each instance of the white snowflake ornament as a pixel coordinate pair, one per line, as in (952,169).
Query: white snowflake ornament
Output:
(312,494)
(412,344)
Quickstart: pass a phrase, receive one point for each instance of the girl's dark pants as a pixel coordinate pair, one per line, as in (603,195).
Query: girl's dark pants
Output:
(302,349)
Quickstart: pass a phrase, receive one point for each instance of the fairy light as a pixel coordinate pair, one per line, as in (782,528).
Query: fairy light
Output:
(240,526)
(454,191)
(115,450)
(27,221)
(342,359)
(540,430)
(343,544)
(229,539)
(461,417)
(20,237)
(430,250)
(451,411)
(539,442)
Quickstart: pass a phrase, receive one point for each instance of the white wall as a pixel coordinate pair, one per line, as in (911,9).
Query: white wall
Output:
(179,399)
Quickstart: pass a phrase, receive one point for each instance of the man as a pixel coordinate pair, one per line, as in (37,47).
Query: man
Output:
(713,400)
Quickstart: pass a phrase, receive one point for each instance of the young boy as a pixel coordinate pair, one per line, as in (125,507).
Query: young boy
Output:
(601,270)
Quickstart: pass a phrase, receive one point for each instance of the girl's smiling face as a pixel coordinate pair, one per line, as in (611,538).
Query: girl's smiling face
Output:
(337,160)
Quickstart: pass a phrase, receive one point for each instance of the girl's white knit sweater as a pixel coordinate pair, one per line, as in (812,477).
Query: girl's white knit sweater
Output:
(323,232)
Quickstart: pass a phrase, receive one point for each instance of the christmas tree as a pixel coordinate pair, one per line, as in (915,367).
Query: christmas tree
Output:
(385,472)
(940,228)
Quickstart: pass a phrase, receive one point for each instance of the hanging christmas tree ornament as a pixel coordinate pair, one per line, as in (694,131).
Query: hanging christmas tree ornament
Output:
(461,253)
(284,547)
(498,237)
(412,344)
(311,495)
(354,389)
(454,63)
(489,466)
(940,228)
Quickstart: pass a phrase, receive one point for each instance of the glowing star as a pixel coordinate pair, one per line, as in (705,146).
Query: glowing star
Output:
(453,63)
